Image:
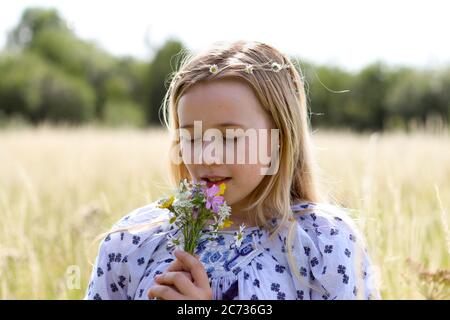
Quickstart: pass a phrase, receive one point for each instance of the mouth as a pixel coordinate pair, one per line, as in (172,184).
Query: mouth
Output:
(215,180)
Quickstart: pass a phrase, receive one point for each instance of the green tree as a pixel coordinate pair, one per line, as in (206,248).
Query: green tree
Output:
(30,87)
(367,109)
(156,84)
(32,22)
(327,88)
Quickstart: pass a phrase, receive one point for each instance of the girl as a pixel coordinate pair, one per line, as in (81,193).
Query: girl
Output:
(295,246)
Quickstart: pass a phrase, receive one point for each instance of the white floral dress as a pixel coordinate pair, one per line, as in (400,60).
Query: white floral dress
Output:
(329,255)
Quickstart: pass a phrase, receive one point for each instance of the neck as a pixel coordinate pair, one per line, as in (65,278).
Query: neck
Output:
(239,216)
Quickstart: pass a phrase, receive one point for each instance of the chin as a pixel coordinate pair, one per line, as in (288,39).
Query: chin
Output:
(230,199)
(227,199)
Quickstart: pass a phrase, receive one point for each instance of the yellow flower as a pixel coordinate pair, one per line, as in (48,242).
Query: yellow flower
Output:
(167,203)
(222,187)
(226,223)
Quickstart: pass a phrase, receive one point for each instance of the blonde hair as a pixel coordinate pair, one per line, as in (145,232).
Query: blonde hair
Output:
(282,95)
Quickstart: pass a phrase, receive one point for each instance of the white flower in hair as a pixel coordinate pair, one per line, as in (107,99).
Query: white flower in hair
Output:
(213,69)
(276,66)
(249,68)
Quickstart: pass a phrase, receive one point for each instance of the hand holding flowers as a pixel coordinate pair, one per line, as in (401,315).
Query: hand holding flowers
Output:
(192,209)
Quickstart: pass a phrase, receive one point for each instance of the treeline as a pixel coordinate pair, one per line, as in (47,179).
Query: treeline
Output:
(379,97)
(48,74)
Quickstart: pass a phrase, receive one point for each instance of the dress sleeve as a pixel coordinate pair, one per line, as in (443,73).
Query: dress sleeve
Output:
(336,263)
(109,276)
(114,266)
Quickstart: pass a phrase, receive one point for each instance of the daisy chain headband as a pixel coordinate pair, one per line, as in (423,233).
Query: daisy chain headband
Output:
(247,68)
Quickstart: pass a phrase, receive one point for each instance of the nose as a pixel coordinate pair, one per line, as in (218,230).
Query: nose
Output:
(212,152)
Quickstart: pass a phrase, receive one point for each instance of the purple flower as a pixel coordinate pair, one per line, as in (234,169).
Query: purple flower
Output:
(213,201)
(198,187)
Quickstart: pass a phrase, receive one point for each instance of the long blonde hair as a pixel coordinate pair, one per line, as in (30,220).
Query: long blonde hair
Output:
(282,95)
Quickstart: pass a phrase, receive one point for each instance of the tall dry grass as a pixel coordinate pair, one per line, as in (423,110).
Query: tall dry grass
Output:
(61,187)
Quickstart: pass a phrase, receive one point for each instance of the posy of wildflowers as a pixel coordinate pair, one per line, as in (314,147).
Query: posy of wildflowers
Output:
(198,211)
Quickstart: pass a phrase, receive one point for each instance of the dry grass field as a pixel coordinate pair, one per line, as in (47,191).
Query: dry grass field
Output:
(61,187)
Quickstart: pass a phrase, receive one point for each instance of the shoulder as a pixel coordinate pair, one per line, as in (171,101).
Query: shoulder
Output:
(145,214)
(323,221)
(143,226)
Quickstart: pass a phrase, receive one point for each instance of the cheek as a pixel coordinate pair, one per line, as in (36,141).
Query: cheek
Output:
(190,169)
(251,152)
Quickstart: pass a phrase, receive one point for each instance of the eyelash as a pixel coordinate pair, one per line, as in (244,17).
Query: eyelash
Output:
(192,140)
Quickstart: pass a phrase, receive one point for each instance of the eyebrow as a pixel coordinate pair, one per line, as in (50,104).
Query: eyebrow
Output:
(227,124)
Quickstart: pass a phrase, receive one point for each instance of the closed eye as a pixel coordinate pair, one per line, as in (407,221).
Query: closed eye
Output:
(199,139)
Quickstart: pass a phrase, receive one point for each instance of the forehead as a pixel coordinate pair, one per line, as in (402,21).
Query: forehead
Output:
(221,101)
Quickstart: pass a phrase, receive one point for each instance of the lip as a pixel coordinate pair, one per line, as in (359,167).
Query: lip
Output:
(211,183)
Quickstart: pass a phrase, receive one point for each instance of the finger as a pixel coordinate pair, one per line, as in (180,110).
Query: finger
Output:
(177,265)
(194,266)
(164,292)
(188,275)
(178,280)
(185,273)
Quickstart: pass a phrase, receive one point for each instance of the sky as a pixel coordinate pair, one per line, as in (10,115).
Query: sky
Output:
(346,33)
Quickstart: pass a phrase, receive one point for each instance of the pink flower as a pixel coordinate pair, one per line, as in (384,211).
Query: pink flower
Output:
(212,200)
